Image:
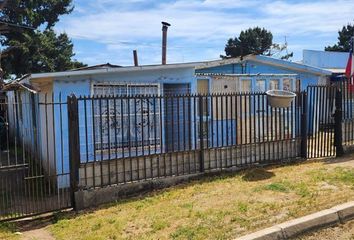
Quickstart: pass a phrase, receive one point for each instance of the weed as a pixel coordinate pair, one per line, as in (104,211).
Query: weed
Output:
(277,187)
(242,207)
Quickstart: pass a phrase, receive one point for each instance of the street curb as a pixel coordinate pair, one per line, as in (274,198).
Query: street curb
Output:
(329,217)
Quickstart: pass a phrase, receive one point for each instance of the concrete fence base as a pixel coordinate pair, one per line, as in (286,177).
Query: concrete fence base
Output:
(108,172)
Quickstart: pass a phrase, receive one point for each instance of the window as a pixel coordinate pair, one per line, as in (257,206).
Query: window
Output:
(260,85)
(287,84)
(203,88)
(298,85)
(124,122)
(274,84)
(246,85)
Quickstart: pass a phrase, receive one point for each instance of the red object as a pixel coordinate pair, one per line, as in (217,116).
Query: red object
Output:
(349,73)
(348,69)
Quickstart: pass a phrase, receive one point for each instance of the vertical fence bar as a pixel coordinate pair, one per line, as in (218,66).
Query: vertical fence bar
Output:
(304,125)
(74,146)
(201,148)
(338,116)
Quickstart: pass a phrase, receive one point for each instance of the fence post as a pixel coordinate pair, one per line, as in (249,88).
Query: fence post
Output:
(338,117)
(74,146)
(304,125)
(201,140)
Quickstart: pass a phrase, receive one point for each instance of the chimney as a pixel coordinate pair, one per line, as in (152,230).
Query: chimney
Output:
(1,78)
(165,26)
(135,54)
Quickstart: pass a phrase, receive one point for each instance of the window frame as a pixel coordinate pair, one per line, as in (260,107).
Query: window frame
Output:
(131,141)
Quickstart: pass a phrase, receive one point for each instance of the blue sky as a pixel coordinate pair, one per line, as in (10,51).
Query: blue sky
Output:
(109,30)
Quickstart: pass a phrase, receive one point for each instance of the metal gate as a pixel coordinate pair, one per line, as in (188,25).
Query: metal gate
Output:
(30,182)
(321,121)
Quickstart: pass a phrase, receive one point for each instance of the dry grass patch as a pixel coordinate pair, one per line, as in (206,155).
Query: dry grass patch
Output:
(220,207)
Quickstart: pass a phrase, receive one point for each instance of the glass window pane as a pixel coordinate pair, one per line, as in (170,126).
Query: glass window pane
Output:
(261,85)
(246,85)
(287,84)
(274,84)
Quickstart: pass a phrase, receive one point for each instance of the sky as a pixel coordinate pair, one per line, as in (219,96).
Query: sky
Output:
(109,30)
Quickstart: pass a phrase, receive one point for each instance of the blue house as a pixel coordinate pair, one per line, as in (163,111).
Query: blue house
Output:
(47,112)
(260,73)
(256,73)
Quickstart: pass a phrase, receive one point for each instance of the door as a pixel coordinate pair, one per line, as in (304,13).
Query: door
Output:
(177,110)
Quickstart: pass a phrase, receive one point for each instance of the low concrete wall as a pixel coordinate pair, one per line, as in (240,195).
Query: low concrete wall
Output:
(142,174)
(117,171)
(96,196)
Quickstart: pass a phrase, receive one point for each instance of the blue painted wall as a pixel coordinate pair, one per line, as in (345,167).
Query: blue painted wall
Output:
(325,59)
(252,67)
(82,85)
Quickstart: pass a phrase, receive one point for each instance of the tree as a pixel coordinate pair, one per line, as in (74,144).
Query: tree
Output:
(40,50)
(252,41)
(343,44)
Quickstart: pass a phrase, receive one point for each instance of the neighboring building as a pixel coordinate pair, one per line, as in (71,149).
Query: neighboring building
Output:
(335,62)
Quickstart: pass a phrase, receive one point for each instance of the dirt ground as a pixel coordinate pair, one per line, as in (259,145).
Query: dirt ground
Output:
(345,161)
(342,232)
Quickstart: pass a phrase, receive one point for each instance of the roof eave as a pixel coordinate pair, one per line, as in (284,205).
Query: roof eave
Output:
(114,70)
(290,65)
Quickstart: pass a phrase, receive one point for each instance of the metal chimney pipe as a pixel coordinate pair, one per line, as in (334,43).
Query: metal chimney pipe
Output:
(1,78)
(165,26)
(135,54)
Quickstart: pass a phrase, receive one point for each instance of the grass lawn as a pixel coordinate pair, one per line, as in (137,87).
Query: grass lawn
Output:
(7,231)
(221,207)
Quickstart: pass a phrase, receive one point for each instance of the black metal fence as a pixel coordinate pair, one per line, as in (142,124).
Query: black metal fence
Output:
(321,121)
(52,147)
(130,138)
(31,180)
(348,112)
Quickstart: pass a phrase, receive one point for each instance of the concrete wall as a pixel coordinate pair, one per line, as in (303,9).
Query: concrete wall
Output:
(184,163)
